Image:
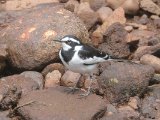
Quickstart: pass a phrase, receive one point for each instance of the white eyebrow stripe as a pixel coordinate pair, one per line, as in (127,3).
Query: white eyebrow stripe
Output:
(72,39)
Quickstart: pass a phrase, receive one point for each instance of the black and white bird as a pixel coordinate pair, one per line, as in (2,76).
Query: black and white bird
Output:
(80,58)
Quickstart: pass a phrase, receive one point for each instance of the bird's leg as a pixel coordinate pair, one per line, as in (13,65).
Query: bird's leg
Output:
(73,89)
(89,88)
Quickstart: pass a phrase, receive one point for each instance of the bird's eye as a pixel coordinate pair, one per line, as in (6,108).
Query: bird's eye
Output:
(68,42)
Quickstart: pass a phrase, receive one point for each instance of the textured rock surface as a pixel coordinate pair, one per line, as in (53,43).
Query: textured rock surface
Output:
(152,61)
(117,16)
(115,43)
(52,79)
(3,115)
(122,80)
(86,14)
(150,6)
(55,104)
(35,76)
(32,46)
(70,79)
(19,81)
(52,67)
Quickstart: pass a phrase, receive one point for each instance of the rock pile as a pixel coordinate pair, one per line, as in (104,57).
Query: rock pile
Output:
(33,81)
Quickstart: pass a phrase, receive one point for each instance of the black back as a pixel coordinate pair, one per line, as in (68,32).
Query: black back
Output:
(90,52)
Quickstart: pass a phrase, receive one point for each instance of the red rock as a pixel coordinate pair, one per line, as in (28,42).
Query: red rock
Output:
(114,41)
(35,76)
(152,61)
(32,46)
(116,16)
(133,102)
(86,14)
(3,115)
(131,6)
(150,6)
(19,81)
(52,67)
(128,28)
(145,50)
(114,4)
(52,79)
(104,13)
(54,104)
(157,23)
(70,79)
(72,5)
(139,35)
(120,80)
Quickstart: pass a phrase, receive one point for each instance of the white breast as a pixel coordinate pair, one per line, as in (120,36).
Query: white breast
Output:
(76,64)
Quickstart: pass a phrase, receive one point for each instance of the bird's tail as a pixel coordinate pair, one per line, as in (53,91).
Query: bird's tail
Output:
(114,58)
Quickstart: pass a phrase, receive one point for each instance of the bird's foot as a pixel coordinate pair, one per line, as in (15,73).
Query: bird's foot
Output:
(86,94)
(72,90)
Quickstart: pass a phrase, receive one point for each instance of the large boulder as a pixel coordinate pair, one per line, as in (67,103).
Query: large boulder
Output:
(27,81)
(29,38)
(54,104)
(124,79)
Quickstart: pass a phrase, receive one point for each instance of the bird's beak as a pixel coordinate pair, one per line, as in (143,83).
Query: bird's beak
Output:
(57,41)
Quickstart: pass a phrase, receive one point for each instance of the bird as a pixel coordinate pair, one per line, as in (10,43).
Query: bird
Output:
(81,58)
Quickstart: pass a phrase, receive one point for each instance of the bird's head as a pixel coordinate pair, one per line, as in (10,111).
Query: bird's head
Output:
(69,41)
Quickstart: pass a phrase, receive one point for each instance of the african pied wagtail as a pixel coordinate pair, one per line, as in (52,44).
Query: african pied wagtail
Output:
(79,57)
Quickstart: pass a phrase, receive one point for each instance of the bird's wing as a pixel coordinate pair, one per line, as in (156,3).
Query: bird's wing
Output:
(91,55)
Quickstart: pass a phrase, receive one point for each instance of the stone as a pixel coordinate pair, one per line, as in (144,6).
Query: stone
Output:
(114,41)
(53,103)
(143,20)
(71,5)
(140,36)
(111,109)
(154,17)
(10,98)
(32,46)
(155,91)
(123,113)
(35,76)
(97,37)
(52,79)
(128,111)
(70,79)
(131,6)
(152,61)
(86,14)
(133,102)
(137,26)
(116,16)
(104,13)
(150,6)
(114,4)
(27,84)
(157,23)
(145,50)
(129,28)
(3,115)
(51,67)
(97,4)
(150,107)
(122,80)
(155,79)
